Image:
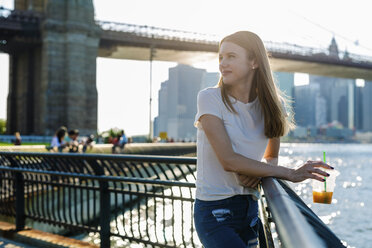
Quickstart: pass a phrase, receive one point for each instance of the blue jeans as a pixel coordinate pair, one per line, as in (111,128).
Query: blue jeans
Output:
(231,222)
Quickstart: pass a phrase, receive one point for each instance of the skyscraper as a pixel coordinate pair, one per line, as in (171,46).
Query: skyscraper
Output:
(367,106)
(339,96)
(320,111)
(177,102)
(305,104)
(161,124)
(358,108)
(210,79)
(285,81)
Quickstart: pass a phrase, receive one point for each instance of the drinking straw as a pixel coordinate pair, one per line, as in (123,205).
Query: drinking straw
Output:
(325,179)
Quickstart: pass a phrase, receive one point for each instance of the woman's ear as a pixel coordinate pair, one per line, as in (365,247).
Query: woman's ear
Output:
(254,64)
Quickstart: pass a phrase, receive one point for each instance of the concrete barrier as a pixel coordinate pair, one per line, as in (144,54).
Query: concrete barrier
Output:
(171,149)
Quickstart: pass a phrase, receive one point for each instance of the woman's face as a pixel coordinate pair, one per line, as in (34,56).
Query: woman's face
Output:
(234,64)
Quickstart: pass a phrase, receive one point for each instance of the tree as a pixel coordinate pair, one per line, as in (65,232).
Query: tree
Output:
(2,126)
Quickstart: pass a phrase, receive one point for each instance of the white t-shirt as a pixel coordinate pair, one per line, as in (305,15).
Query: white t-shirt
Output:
(246,132)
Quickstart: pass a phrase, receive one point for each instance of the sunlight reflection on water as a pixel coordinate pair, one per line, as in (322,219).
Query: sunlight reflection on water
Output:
(348,216)
(166,221)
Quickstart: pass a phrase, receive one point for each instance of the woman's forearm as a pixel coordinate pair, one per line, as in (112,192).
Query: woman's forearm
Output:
(246,166)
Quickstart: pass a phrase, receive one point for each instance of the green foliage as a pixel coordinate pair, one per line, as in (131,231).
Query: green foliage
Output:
(6,144)
(2,126)
(109,135)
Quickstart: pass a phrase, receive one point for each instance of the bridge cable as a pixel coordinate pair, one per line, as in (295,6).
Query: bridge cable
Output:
(356,43)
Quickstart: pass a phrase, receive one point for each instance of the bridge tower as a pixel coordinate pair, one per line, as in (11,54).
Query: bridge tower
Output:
(53,82)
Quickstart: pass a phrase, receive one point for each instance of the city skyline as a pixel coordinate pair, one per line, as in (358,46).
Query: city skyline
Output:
(123,84)
(322,103)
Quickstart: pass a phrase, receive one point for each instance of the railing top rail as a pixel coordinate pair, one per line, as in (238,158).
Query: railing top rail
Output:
(102,177)
(134,158)
(293,229)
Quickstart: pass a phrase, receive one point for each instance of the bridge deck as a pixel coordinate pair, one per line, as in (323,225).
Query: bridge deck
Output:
(137,42)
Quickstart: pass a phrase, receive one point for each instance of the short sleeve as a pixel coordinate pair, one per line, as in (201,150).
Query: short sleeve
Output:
(207,103)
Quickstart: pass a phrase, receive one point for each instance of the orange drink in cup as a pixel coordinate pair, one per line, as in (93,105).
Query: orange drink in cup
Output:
(322,197)
(323,191)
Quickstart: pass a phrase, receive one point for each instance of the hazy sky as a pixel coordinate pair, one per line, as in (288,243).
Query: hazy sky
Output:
(123,85)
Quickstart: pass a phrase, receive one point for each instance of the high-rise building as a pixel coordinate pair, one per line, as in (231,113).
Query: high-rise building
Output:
(305,104)
(285,82)
(325,84)
(339,96)
(320,111)
(367,106)
(162,119)
(210,79)
(358,108)
(177,102)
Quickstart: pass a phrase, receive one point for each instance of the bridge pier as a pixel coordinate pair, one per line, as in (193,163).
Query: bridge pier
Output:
(53,81)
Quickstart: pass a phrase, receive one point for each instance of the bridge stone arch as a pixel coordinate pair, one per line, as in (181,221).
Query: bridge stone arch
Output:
(53,74)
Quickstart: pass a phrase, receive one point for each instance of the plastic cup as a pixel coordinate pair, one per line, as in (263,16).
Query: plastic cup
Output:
(323,191)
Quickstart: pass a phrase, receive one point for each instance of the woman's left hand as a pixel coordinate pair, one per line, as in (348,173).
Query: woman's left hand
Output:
(248,181)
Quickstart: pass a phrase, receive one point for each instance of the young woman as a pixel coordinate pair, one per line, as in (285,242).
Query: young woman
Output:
(58,143)
(239,123)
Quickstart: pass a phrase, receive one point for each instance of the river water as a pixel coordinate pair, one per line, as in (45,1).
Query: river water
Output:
(349,215)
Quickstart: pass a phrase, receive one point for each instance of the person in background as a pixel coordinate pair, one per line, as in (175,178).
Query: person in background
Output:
(72,141)
(89,143)
(123,141)
(18,139)
(120,141)
(115,143)
(58,142)
(239,123)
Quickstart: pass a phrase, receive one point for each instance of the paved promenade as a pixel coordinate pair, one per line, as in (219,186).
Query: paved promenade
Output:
(6,243)
(30,238)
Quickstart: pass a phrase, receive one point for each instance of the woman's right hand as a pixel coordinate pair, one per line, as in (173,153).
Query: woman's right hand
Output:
(309,170)
(248,181)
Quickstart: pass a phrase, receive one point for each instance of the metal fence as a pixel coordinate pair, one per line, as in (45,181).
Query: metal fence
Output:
(141,199)
(150,197)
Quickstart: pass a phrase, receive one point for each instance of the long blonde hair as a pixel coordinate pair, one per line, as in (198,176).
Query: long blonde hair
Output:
(271,98)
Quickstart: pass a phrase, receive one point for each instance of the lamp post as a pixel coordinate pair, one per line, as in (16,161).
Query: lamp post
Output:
(152,54)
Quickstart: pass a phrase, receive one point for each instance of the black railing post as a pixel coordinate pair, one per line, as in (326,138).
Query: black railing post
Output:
(105,214)
(19,201)
(105,205)
(19,191)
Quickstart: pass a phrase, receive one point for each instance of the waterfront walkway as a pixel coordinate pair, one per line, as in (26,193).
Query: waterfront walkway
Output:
(6,243)
(30,238)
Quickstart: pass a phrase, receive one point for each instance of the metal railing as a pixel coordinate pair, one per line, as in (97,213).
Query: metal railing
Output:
(150,197)
(291,225)
(141,199)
